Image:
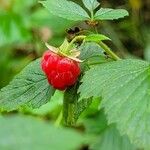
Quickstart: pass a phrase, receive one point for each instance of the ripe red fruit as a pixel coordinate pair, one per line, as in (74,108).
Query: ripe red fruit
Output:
(61,71)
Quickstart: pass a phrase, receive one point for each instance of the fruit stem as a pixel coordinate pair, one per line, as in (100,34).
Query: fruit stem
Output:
(108,50)
(77,38)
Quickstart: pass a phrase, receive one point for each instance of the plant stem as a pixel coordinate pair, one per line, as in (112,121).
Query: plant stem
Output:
(80,37)
(69,106)
(59,119)
(68,111)
(70,119)
(108,50)
(92,15)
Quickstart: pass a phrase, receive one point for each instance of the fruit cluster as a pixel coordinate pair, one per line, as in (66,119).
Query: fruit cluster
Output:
(61,71)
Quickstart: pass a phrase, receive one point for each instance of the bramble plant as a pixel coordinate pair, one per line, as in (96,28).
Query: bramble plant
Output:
(87,71)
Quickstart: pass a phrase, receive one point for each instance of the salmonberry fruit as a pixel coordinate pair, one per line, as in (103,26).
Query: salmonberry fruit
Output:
(61,71)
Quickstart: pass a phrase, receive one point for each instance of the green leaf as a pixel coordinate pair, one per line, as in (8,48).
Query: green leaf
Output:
(93,54)
(66,9)
(125,88)
(96,123)
(90,49)
(96,38)
(110,14)
(29,87)
(93,108)
(81,106)
(107,137)
(28,133)
(55,103)
(91,4)
(111,140)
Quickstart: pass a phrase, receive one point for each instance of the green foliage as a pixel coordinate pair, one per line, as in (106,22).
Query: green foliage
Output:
(72,11)
(42,17)
(29,87)
(10,66)
(66,9)
(96,38)
(28,133)
(124,86)
(110,139)
(55,103)
(91,4)
(110,14)
(15,21)
(82,106)
(72,109)
(96,123)
(13,28)
(106,137)
(90,49)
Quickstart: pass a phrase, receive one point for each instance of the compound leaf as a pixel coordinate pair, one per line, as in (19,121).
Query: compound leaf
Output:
(66,9)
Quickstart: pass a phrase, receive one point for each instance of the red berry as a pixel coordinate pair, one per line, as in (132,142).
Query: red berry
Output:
(61,71)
